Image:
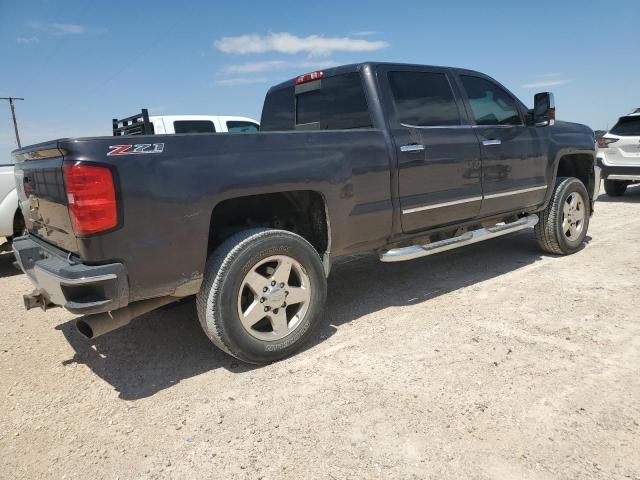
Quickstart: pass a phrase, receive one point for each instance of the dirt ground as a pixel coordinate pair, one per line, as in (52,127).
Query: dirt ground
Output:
(490,362)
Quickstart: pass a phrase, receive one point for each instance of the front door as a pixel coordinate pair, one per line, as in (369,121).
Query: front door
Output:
(514,160)
(439,169)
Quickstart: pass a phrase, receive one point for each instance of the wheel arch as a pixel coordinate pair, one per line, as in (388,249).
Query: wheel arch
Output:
(304,212)
(574,163)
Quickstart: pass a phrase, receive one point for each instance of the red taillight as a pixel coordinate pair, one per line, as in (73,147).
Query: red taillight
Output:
(92,198)
(604,142)
(309,77)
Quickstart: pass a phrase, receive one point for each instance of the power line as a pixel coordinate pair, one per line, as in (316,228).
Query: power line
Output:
(13,115)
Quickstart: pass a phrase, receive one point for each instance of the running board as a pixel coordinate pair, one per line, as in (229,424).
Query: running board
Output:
(475,236)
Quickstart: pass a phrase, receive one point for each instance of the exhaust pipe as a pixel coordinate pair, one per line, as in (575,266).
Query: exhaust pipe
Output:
(93,326)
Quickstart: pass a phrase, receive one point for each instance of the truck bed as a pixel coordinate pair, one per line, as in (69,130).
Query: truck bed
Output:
(166,198)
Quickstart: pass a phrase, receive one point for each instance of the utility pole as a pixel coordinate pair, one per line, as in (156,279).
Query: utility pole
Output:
(13,115)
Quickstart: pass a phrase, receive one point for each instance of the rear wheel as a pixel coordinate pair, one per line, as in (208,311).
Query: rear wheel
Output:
(263,295)
(615,188)
(564,223)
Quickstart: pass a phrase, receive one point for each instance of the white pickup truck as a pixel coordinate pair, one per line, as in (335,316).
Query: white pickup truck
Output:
(143,124)
(11,222)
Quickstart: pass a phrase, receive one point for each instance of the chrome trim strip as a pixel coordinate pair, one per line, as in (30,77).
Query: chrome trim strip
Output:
(440,205)
(492,141)
(515,192)
(408,125)
(474,236)
(623,177)
(475,199)
(76,281)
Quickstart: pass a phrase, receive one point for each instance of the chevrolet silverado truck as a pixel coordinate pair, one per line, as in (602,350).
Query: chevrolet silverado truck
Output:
(401,160)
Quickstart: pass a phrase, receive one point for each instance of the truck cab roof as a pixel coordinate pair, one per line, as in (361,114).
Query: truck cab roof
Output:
(353,67)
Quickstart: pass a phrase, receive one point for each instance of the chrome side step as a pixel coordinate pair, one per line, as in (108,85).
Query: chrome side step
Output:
(475,236)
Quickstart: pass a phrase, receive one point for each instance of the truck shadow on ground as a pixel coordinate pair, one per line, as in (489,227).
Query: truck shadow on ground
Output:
(162,348)
(7,269)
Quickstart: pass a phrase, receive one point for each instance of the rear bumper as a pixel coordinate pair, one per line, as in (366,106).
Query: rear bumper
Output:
(619,172)
(81,289)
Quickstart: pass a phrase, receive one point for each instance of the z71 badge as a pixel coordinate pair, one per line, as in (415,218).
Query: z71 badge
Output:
(135,149)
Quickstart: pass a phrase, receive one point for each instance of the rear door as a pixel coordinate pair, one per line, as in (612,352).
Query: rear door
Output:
(623,148)
(514,161)
(438,153)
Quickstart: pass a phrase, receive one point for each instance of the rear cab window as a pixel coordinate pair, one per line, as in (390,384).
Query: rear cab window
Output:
(194,126)
(332,103)
(627,126)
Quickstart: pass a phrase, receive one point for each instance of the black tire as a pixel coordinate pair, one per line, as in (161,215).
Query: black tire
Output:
(615,188)
(219,296)
(549,230)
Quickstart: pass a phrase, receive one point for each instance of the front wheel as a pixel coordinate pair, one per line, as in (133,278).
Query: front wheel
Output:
(263,294)
(615,188)
(563,224)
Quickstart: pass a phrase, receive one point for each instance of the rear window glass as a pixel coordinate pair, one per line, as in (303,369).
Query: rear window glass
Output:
(241,127)
(194,126)
(339,103)
(627,127)
(277,113)
(423,99)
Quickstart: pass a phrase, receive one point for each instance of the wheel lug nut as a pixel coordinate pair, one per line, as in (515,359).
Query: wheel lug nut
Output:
(266,309)
(262,300)
(286,293)
(282,285)
(265,289)
(273,284)
(284,305)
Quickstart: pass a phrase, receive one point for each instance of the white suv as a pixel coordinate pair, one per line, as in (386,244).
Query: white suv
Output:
(619,154)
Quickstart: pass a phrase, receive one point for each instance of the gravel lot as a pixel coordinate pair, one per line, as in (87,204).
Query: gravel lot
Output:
(491,362)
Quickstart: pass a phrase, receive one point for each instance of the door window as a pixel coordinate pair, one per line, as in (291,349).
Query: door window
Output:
(423,99)
(241,127)
(490,104)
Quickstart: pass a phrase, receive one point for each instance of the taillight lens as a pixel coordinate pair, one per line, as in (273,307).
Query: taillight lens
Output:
(604,142)
(92,198)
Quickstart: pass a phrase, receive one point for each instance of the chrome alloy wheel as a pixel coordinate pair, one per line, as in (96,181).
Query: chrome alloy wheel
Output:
(274,297)
(573,216)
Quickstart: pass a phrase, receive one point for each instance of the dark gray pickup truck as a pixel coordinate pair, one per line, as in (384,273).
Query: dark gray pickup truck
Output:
(402,160)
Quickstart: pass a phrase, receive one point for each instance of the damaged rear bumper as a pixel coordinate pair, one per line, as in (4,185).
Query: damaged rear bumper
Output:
(79,288)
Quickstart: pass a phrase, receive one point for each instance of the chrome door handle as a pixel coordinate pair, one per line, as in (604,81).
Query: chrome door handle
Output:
(412,147)
(491,141)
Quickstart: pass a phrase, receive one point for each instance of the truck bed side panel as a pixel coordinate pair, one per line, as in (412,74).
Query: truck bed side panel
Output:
(168,197)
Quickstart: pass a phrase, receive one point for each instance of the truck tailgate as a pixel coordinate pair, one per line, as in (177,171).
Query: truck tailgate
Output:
(41,191)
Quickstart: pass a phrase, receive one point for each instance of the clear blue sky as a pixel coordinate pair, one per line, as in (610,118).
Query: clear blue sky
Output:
(79,63)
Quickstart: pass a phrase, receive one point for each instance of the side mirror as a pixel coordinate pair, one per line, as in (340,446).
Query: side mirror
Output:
(544,109)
